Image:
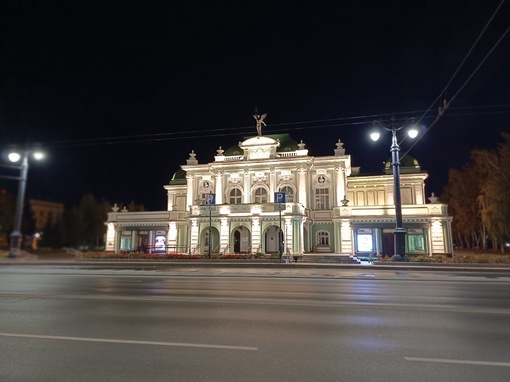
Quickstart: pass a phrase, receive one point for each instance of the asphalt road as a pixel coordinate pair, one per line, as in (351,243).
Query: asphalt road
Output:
(86,323)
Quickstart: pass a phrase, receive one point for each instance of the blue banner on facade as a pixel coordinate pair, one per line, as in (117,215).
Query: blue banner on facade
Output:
(210,199)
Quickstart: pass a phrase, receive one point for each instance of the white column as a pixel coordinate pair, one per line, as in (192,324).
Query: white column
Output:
(194,235)
(289,236)
(339,185)
(219,188)
(346,237)
(171,239)
(134,238)
(246,185)
(302,191)
(111,237)
(190,187)
(224,235)
(255,234)
(170,201)
(272,184)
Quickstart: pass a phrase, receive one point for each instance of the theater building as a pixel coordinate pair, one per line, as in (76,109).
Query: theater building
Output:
(267,195)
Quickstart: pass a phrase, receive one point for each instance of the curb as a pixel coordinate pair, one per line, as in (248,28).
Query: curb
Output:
(397,266)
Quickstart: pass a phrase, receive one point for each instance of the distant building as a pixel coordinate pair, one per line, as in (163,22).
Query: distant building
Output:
(43,213)
(269,184)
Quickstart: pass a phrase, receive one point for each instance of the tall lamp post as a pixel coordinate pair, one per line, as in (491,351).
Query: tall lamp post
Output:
(210,200)
(400,232)
(16,157)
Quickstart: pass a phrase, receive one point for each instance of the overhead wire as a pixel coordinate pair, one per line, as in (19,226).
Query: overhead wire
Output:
(446,104)
(154,137)
(313,124)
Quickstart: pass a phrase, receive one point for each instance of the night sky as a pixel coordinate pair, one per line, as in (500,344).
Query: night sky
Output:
(119,92)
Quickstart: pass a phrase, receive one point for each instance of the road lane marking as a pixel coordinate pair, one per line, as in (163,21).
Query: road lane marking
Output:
(457,361)
(130,342)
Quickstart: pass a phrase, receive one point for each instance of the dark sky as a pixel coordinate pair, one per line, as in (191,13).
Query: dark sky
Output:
(119,92)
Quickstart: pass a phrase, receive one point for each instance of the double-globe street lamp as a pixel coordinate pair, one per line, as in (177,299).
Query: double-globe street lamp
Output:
(21,158)
(400,232)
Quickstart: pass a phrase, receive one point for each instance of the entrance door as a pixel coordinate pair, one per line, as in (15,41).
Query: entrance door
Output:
(237,241)
(143,242)
(272,242)
(388,244)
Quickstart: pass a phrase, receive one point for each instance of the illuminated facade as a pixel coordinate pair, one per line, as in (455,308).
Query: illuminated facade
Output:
(329,206)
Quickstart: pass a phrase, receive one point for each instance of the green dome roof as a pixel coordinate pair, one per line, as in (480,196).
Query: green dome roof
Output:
(179,177)
(408,164)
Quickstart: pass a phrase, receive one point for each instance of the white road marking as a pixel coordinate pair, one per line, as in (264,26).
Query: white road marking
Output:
(131,342)
(457,361)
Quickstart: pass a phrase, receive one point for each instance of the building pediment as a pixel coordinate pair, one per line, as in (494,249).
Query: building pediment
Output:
(259,147)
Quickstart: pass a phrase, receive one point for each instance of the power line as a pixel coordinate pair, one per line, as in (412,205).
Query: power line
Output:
(282,127)
(446,104)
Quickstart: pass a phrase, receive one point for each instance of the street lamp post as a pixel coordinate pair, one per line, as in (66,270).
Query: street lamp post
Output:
(15,157)
(280,236)
(198,202)
(210,200)
(18,215)
(210,230)
(399,232)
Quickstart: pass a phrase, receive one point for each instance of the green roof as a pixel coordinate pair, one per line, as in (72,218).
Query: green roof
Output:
(179,177)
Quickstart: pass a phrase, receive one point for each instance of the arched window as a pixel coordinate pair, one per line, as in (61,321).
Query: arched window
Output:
(289,193)
(260,195)
(235,196)
(323,238)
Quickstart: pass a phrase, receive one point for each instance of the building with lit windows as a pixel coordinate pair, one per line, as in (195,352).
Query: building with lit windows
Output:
(267,195)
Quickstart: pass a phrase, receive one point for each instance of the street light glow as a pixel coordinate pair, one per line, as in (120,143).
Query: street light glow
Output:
(38,155)
(412,133)
(14,157)
(375,135)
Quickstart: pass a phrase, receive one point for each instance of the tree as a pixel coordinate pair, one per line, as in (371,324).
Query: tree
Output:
(461,194)
(53,235)
(479,199)
(94,215)
(133,207)
(494,198)
(73,227)
(7,205)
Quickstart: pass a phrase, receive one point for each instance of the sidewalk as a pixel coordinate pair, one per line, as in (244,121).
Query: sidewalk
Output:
(72,260)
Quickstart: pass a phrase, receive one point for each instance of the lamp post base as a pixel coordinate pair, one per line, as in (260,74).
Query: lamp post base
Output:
(15,245)
(400,245)
(14,254)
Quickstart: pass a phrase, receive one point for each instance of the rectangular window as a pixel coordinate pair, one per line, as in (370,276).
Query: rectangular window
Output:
(364,240)
(406,193)
(416,243)
(322,199)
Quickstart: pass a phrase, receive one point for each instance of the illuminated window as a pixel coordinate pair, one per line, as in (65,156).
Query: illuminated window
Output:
(235,196)
(322,199)
(289,194)
(260,195)
(416,243)
(323,238)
